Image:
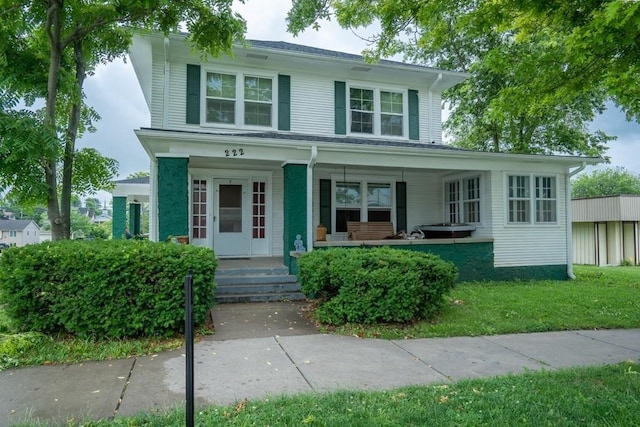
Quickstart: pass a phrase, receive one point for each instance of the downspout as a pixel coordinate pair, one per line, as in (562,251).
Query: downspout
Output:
(310,165)
(430,115)
(570,219)
(165,90)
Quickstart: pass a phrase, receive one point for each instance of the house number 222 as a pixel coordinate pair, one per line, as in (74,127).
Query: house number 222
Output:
(234,152)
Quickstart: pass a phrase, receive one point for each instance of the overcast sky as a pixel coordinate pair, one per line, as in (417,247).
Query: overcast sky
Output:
(114,92)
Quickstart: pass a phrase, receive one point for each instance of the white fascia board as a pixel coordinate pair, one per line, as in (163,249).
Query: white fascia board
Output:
(141,56)
(357,154)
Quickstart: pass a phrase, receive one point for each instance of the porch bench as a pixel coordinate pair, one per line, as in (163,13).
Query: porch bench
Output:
(369,230)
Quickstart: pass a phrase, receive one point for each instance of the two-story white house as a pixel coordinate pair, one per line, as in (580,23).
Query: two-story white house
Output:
(19,232)
(250,151)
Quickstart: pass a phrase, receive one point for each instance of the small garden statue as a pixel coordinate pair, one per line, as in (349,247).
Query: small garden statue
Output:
(299,245)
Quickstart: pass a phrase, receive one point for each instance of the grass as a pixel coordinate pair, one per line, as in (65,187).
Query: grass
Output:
(593,396)
(600,298)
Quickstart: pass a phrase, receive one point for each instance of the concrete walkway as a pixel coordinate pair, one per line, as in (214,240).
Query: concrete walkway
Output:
(254,368)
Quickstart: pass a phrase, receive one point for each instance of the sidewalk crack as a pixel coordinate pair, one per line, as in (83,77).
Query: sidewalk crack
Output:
(424,362)
(124,387)
(294,363)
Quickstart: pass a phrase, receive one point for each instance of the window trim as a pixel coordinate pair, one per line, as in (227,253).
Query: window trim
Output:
(377,109)
(460,202)
(363,180)
(240,99)
(532,199)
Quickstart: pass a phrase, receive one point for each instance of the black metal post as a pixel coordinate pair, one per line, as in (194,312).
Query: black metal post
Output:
(188,333)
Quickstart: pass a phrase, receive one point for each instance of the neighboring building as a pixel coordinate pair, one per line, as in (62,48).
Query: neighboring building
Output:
(45,236)
(19,232)
(606,230)
(250,151)
(133,192)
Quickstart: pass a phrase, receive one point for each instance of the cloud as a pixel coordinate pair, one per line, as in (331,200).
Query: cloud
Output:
(625,150)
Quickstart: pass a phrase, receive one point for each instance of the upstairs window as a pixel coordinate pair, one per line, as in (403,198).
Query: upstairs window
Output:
(377,112)
(391,113)
(361,104)
(237,99)
(221,98)
(257,101)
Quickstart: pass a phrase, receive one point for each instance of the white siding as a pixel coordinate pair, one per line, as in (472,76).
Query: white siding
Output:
(312,102)
(424,199)
(430,117)
(277,219)
(31,234)
(529,244)
(312,105)
(584,243)
(157,92)
(177,114)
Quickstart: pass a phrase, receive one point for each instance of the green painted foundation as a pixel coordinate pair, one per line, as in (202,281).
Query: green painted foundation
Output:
(295,209)
(173,197)
(474,261)
(119,221)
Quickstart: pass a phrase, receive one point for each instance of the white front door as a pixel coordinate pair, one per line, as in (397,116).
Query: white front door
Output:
(231,225)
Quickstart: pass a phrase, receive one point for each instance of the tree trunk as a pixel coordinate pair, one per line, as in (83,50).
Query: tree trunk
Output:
(70,140)
(53,28)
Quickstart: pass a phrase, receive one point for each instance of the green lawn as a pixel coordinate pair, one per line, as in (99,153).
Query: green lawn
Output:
(596,396)
(600,298)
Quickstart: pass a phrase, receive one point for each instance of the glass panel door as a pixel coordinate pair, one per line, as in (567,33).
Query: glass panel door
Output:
(230,209)
(232,213)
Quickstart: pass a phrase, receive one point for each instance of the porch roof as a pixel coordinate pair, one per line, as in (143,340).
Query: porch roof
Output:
(134,189)
(403,149)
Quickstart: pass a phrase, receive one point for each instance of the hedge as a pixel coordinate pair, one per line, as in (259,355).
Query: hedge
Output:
(119,288)
(364,285)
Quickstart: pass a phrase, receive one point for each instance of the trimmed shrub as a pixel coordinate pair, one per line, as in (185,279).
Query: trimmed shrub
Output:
(119,288)
(375,285)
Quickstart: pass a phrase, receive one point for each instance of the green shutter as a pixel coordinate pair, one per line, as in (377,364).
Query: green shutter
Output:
(284,102)
(401,206)
(193,94)
(325,203)
(340,90)
(414,115)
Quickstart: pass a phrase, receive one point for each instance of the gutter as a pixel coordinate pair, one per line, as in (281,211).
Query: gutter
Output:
(310,165)
(567,198)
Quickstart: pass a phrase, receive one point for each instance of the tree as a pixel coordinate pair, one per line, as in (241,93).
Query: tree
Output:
(139,174)
(46,50)
(536,81)
(606,182)
(93,206)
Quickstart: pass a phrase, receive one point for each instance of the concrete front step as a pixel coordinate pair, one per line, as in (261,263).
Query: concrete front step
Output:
(264,284)
(264,279)
(260,297)
(253,271)
(257,288)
